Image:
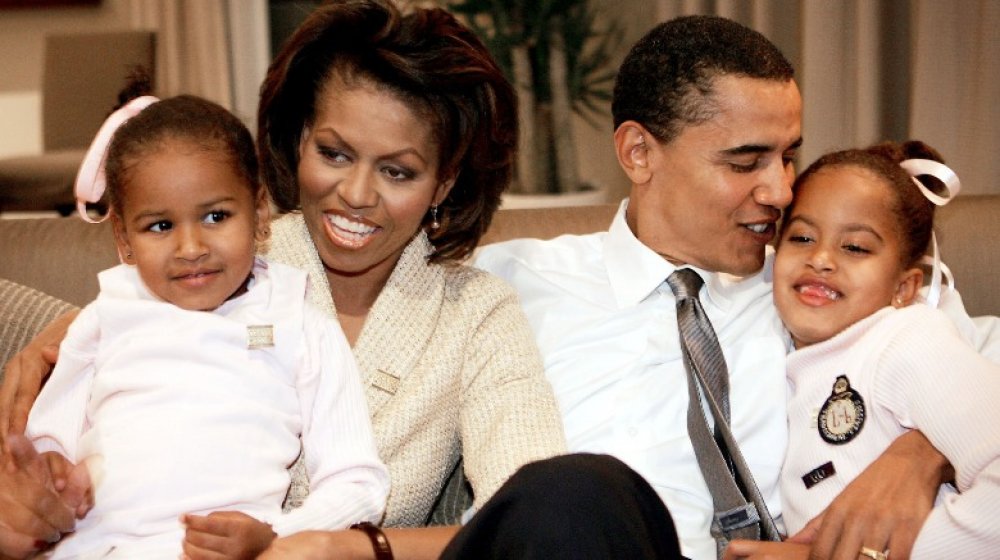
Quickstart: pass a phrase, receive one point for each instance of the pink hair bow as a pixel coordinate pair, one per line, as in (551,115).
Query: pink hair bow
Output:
(91,180)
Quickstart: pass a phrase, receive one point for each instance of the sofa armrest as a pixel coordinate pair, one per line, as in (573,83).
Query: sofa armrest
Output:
(24,312)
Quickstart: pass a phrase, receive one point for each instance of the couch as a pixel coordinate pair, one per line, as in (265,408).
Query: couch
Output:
(61,256)
(49,265)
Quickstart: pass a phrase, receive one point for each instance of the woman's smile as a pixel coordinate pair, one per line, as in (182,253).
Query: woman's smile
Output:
(352,233)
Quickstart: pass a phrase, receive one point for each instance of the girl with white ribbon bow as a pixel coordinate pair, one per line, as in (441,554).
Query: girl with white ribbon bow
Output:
(200,372)
(869,366)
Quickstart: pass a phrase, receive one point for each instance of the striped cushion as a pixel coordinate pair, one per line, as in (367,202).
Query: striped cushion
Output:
(24,312)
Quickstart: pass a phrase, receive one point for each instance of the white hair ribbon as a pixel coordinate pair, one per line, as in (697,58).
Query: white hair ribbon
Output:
(943,173)
(938,170)
(91,180)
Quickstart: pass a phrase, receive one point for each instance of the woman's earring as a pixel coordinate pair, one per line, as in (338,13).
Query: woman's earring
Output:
(435,224)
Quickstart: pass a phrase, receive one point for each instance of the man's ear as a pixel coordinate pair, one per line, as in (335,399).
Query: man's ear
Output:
(908,287)
(121,239)
(633,151)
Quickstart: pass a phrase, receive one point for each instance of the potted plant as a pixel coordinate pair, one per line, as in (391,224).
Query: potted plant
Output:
(558,55)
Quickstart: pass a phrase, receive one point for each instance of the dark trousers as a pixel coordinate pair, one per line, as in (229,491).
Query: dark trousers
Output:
(580,507)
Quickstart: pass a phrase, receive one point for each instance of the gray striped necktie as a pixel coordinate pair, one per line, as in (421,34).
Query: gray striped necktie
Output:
(740,511)
(698,336)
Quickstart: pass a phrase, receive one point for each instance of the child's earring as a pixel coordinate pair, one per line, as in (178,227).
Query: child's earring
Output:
(435,224)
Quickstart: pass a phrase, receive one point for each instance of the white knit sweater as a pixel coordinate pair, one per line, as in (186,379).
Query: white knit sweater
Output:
(450,368)
(913,371)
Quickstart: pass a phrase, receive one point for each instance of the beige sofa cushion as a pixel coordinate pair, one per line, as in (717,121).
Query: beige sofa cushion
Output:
(58,256)
(968,231)
(61,256)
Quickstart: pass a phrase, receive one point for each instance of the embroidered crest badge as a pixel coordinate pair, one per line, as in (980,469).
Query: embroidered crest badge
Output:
(842,415)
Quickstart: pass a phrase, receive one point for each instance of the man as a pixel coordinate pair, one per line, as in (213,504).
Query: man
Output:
(707,122)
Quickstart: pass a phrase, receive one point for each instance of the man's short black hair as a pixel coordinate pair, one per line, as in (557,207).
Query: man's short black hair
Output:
(666,81)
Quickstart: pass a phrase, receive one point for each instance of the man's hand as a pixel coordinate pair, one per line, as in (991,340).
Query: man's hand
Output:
(32,513)
(884,507)
(25,373)
(225,534)
(765,550)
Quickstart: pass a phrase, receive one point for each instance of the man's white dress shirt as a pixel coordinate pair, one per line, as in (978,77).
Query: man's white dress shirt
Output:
(606,324)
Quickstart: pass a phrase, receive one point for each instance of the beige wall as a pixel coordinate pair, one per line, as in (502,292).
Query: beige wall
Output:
(22,34)
(830,115)
(595,149)
(22,44)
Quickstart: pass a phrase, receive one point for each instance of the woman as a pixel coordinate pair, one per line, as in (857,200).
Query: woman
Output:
(389,140)
(382,129)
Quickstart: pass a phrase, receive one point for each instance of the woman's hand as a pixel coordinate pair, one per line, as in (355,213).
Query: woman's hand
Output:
(884,507)
(32,512)
(229,535)
(320,545)
(417,543)
(25,373)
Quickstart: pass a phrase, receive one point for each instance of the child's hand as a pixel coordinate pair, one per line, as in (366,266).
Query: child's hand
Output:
(72,482)
(765,550)
(225,534)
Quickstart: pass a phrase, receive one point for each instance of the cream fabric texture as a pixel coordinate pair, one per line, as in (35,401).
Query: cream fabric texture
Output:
(450,368)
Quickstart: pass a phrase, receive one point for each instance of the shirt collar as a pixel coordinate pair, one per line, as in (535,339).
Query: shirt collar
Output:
(635,271)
